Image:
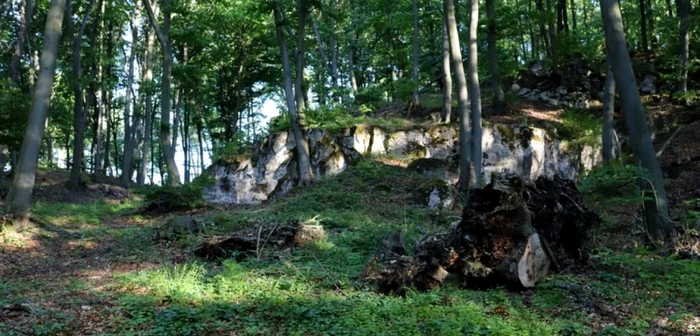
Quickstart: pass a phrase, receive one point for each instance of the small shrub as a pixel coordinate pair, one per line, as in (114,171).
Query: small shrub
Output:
(615,183)
(164,199)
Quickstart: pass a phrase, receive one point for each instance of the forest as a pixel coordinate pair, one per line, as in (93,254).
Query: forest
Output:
(345,167)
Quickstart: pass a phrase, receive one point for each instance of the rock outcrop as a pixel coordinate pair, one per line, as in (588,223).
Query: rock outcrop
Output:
(272,169)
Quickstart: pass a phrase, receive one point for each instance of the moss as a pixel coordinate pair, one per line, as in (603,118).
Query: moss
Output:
(507,134)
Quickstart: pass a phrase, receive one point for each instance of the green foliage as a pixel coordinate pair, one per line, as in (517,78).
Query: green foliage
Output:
(230,150)
(163,199)
(372,96)
(579,128)
(13,118)
(614,183)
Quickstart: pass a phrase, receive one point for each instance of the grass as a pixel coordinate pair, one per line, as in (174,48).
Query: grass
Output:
(316,290)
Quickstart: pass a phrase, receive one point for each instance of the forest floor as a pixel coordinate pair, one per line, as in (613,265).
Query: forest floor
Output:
(91,266)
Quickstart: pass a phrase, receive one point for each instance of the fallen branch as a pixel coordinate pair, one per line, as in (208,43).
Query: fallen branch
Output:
(669,141)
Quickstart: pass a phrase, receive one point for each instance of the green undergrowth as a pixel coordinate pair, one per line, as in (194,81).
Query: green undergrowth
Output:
(316,290)
(579,129)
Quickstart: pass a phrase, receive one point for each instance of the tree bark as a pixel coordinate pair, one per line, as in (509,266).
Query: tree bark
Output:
(332,44)
(475,91)
(446,76)
(25,19)
(322,94)
(573,14)
(165,141)
(302,147)
(130,128)
(147,88)
(18,201)
(200,141)
(300,64)
(79,115)
(543,30)
(552,36)
(684,8)
(499,98)
(416,52)
(608,112)
(659,223)
(465,136)
(645,37)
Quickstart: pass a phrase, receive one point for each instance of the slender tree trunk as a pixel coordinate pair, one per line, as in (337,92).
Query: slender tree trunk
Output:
(302,147)
(18,201)
(608,112)
(200,141)
(475,91)
(543,29)
(165,141)
(147,88)
(335,73)
(552,36)
(446,76)
(79,115)
(130,128)
(25,18)
(3,162)
(465,136)
(573,14)
(322,94)
(106,164)
(176,118)
(684,8)
(645,36)
(186,140)
(416,52)
(659,223)
(499,98)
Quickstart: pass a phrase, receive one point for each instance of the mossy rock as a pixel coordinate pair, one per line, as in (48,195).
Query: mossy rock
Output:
(181,226)
(425,165)
(436,194)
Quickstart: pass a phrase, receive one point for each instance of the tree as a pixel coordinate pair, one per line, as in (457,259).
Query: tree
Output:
(465,136)
(302,147)
(608,113)
(446,75)
(18,201)
(79,115)
(416,52)
(659,225)
(499,98)
(475,90)
(165,141)
(684,9)
(26,8)
(129,127)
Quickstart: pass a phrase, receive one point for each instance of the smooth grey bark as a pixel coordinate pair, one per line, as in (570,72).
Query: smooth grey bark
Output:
(543,30)
(324,61)
(19,198)
(302,147)
(165,141)
(300,59)
(659,225)
(416,52)
(684,8)
(79,115)
(176,118)
(608,112)
(25,19)
(645,37)
(446,76)
(465,136)
(332,44)
(130,126)
(147,88)
(573,14)
(475,91)
(499,97)
(200,142)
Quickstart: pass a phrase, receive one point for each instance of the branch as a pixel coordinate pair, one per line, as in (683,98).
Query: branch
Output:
(152,18)
(669,141)
(85,19)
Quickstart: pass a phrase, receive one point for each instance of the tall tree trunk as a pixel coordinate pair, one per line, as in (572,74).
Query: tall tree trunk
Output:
(465,136)
(645,36)
(684,9)
(573,14)
(165,142)
(79,115)
(608,112)
(543,30)
(475,91)
(416,52)
(321,72)
(552,36)
(176,118)
(499,98)
(130,128)
(335,73)
(3,162)
(659,223)
(24,21)
(186,139)
(300,64)
(446,76)
(18,201)
(200,141)
(147,88)
(302,147)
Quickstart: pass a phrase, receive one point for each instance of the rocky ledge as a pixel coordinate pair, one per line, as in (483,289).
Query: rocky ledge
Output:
(272,170)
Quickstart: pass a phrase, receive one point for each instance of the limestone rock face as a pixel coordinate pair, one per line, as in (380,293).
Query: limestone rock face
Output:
(272,169)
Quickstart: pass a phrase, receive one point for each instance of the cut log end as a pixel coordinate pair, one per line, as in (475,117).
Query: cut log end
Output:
(534,264)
